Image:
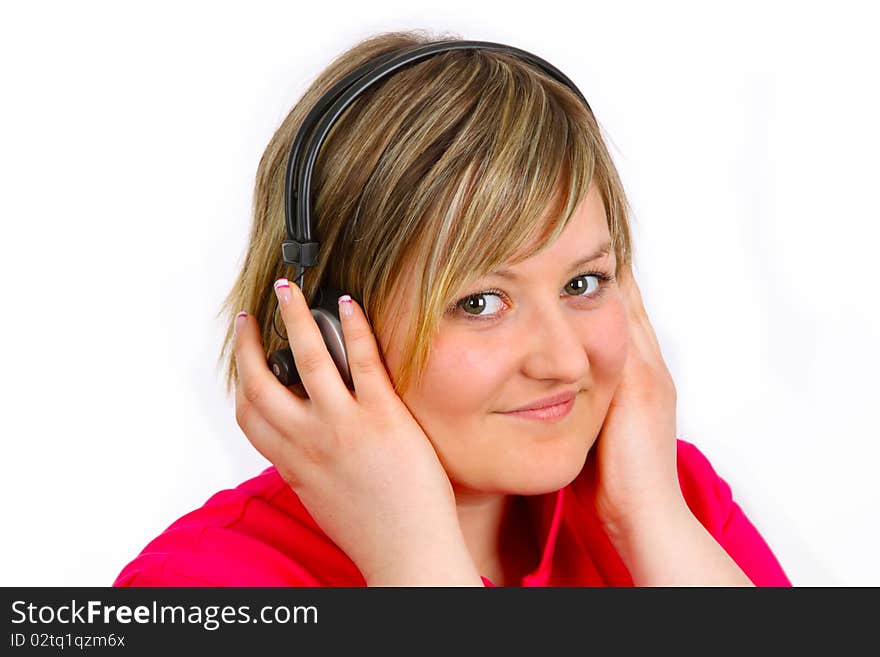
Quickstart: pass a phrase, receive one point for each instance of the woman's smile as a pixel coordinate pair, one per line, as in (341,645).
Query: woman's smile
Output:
(545,414)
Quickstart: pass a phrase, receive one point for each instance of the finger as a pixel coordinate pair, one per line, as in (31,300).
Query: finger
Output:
(630,292)
(262,435)
(271,443)
(298,389)
(639,320)
(368,374)
(315,365)
(258,390)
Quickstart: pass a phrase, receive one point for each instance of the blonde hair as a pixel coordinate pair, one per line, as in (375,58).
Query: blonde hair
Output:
(440,172)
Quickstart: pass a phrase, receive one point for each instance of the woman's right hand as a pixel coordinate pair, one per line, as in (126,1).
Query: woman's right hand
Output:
(359,462)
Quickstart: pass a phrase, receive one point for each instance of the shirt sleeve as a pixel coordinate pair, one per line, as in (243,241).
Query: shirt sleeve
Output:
(710,499)
(146,572)
(257,534)
(215,556)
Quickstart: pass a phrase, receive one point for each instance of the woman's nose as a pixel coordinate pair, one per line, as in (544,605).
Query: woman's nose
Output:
(554,347)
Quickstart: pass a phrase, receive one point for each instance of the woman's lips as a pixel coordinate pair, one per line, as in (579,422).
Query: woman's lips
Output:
(548,413)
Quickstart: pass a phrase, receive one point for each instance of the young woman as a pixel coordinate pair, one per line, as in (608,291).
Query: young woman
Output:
(470,209)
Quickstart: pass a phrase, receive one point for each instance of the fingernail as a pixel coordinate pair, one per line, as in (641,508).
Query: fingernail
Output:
(282,290)
(239,321)
(344,305)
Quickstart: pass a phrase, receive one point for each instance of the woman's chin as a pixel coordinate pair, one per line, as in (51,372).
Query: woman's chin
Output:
(537,474)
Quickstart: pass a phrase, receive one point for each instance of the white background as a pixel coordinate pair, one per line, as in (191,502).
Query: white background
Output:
(746,136)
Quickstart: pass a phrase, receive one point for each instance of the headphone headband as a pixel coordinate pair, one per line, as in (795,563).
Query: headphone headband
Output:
(299,249)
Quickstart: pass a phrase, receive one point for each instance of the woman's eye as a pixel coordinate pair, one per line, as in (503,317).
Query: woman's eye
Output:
(476,304)
(578,288)
(487,304)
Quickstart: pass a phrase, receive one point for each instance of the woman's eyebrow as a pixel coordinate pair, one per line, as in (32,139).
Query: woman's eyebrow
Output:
(600,252)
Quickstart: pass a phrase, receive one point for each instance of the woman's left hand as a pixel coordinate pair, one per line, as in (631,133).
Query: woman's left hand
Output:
(631,471)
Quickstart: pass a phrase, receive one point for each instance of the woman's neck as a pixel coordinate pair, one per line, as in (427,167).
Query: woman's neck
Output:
(499,532)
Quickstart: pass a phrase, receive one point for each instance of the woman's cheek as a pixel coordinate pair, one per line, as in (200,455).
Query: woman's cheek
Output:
(609,343)
(462,375)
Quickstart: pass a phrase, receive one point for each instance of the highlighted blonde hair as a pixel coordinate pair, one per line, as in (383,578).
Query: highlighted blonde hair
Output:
(441,172)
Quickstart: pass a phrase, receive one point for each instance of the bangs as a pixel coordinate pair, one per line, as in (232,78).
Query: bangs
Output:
(529,157)
(506,185)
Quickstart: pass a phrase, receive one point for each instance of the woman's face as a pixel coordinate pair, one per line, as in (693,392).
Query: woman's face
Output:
(550,331)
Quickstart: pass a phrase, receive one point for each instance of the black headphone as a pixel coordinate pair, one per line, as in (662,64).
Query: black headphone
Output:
(299,249)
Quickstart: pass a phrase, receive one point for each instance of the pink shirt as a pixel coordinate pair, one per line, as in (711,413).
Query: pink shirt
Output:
(259,534)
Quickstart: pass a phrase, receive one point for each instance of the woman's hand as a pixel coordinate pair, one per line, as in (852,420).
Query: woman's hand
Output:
(631,472)
(632,476)
(359,462)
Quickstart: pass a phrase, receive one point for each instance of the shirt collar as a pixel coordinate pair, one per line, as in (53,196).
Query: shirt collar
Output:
(547,513)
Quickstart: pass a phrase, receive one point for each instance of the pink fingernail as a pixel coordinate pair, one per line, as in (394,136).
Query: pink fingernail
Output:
(240,319)
(344,305)
(282,290)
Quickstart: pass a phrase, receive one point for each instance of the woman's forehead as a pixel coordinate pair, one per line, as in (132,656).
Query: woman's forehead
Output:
(587,230)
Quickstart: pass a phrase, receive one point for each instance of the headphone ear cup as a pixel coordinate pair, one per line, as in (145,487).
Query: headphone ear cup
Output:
(325,310)
(283,366)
